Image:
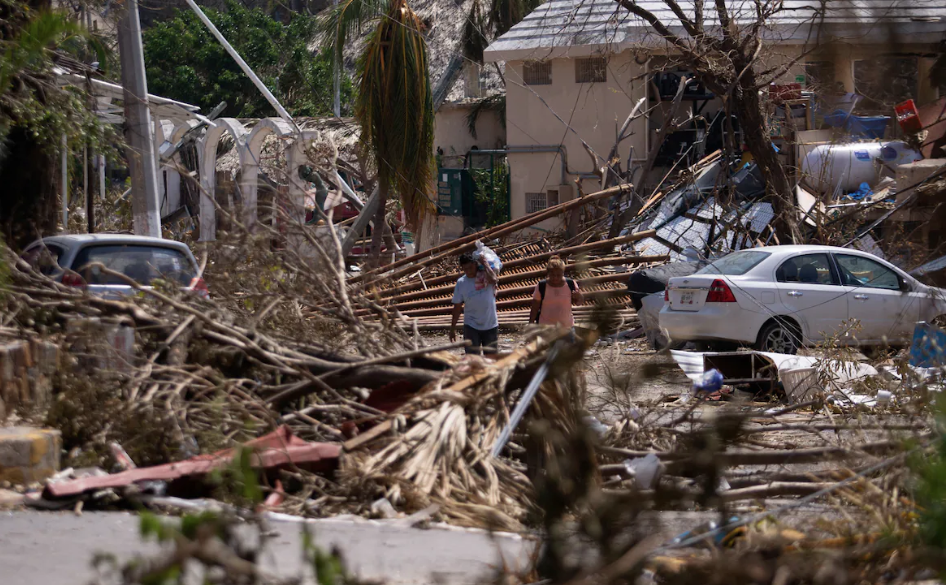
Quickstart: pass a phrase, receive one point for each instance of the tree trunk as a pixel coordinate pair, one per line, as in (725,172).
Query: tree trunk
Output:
(377,229)
(748,108)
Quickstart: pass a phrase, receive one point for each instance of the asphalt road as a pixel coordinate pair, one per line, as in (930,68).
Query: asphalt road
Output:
(56,548)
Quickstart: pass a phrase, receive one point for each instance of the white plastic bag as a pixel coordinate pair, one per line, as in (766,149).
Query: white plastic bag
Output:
(491,257)
(645,470)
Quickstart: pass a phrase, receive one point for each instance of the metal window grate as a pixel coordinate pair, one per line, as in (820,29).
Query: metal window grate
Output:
(536,202)
(591,70)
(537,72)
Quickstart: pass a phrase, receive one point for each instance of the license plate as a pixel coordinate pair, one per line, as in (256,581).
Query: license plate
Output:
(686,298)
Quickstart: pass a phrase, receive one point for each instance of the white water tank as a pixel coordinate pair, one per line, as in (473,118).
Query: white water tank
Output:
(841,168)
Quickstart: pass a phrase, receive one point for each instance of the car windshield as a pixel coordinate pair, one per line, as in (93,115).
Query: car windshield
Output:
(735,264)
(143,264)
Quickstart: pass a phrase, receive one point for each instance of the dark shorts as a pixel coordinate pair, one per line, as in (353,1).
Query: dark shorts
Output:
(487,341)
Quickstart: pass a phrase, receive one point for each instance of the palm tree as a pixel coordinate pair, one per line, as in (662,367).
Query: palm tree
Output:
(394,106)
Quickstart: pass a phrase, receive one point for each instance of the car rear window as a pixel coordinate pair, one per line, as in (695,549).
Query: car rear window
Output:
(143,264)
(736,264)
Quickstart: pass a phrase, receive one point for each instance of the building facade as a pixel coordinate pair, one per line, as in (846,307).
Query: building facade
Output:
(575,70)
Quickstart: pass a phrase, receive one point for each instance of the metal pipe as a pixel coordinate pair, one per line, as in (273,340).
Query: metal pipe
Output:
(246,68)
(537,148)
(526,399)
(647,117)
(101,166)
(85,178)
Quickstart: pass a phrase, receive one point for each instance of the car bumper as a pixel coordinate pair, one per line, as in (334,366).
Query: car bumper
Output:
(714,322)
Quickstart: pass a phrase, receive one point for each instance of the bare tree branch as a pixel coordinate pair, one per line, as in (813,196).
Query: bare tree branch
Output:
(680,14)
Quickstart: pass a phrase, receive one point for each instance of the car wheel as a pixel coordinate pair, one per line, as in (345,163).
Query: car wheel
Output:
(778,337)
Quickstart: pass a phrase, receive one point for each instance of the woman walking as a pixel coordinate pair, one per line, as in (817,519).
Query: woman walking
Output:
(553,297)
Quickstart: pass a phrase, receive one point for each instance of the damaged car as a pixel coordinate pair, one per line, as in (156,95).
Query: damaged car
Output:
(780,298)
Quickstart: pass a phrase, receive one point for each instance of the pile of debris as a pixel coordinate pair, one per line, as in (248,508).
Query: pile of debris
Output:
(419,288)
(402,422)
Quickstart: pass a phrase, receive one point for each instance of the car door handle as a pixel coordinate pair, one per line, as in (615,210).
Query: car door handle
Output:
(861,297)
(795,293)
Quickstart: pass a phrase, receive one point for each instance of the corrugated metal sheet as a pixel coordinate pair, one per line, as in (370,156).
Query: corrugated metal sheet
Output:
(605,24)
(277,449)
(759,216)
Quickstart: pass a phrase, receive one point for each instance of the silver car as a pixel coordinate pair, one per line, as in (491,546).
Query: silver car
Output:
(69,259)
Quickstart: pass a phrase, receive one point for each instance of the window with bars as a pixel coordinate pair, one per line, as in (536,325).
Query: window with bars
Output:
(536,202)
(537,72)
(591,70)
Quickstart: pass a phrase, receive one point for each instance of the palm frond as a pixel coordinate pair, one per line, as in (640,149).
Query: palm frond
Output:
(341,22)
(494,102)
(474,41)
(505,14)
(45,30)
(395,107)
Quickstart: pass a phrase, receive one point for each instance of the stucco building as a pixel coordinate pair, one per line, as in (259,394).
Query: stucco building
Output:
(575,69)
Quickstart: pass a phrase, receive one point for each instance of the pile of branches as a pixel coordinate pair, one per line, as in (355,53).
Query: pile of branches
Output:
(415,422)
(439,452)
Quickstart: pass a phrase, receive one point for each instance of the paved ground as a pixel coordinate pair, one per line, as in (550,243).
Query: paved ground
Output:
(55,548)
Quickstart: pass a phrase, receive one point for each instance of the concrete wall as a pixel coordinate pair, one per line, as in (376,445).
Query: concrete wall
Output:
(452,133)
(595,112)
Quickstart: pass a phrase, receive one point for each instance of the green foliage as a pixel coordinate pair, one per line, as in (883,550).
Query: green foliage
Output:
(28,49)
(493,192)
(238,483)
(931,487)
(185,62)
(28,97)
(329,567)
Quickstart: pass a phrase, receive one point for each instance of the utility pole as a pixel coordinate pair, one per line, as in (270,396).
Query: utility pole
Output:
(139,131)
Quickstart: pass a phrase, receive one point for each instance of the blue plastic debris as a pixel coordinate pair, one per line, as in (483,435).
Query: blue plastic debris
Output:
(711,381)
(929,346)
(713,534)
(868,126)
(863,192)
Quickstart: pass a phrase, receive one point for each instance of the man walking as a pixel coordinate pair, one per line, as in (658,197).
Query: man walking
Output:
(475,296)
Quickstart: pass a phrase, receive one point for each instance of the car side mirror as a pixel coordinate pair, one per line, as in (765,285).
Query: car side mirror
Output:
(905,286)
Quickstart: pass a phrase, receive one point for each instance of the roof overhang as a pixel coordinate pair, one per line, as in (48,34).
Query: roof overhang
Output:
(520,46)
(106,94)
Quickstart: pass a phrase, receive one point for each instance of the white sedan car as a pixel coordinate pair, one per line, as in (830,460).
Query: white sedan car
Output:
(778,298)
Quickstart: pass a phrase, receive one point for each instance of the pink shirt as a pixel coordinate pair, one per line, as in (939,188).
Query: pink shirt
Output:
(557,306)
